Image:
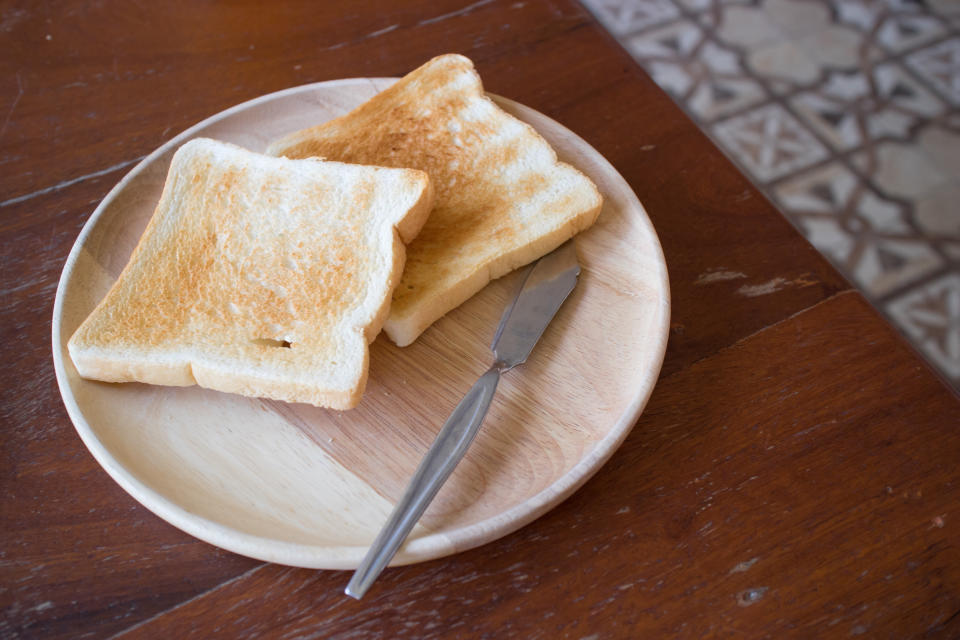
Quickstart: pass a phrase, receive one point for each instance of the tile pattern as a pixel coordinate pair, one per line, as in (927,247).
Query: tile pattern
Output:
(846,113)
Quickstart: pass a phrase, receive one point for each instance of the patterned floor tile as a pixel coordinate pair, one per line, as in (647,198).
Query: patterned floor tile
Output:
(866,235)
(797,19)
(861,14)
(769,142)
(695,70)
(936,213)
(930,316)
(748,27)
(901,170)
(848,109)
(899,24)
(889,264)
(724,95)
(626,16)
(942,145)
(846,113)
(947,10)
(827,190)
(833,47)
(677,42)
(952,250)
(940,66)
(839,124)
(792,42)
(784,61)
(897,88)
(705,5)
(902,32)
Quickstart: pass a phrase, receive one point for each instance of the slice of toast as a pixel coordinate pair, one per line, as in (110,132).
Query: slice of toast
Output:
(503,198)
(257,275)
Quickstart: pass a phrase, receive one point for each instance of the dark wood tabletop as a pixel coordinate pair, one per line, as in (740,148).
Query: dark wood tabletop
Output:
(796,472)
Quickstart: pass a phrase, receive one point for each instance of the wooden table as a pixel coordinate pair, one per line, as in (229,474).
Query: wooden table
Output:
(795,474)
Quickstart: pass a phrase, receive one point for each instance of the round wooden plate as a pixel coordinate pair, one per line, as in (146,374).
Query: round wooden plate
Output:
(309,487)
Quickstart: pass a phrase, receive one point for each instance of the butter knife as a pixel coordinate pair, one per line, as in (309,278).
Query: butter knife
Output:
(544,287)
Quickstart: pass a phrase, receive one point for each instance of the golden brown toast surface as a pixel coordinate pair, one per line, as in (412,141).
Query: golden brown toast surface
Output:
(502,198)
(257,275)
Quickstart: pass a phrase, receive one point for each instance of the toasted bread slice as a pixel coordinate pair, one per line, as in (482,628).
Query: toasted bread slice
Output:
(257,275)
(503,198)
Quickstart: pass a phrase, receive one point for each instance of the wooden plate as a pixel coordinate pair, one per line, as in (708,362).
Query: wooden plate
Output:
(308,487)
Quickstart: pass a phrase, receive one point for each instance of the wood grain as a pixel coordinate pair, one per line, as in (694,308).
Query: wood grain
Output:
(801,506)
(65,526)
(226,471)
(115,80)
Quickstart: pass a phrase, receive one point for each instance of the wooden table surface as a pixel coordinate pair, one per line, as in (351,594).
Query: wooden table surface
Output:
(796,472)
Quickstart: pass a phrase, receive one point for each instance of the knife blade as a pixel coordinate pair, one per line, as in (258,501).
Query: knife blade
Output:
(544,287)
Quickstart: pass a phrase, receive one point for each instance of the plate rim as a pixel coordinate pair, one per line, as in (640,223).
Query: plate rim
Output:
(433,545)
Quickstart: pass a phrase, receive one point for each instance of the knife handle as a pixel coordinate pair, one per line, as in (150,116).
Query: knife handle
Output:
(446,451)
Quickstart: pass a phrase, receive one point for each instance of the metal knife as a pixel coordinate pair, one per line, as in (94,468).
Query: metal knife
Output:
(544,287)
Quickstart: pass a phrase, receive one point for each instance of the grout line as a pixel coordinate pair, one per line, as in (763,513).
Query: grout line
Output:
(225,583)
(70,182)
